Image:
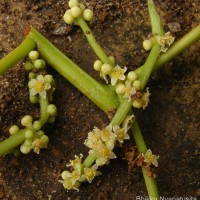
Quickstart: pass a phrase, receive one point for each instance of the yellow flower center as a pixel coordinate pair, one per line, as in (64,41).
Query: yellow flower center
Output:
(150,157)
(104,152)
(117,73)
(105,133)
(89,174)
(39,86)
(120,133)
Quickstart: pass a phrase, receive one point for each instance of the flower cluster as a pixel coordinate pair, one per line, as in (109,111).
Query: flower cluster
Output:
(39,86)
(34,139)
(116,74)
(101,143)
(72,180)
(77,10)
(129,86)
(164,41)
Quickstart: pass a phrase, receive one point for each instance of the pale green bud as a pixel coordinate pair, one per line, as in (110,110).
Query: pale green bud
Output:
(24,149)
(147,44)
(106,69)
(51,109)
(28,66)
(13,129)
(132,76)
(120,88)
(137,85)
(76,11)
(73,3)
(68,18)
(27,121)
(97,65)
(39,64)
(88,14)
(37,125)
(33,55)
(32,75)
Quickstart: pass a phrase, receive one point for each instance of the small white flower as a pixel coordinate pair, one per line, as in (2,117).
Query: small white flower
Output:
(150,158)
(90,173)
(117,74)
(107,133)
(39,87)
(103,154)
(129,91)
(121,133)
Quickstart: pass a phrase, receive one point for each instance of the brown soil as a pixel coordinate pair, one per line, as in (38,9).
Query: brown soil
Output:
(170,124)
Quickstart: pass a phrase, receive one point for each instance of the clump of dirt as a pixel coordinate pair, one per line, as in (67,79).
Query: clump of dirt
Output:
(170,124)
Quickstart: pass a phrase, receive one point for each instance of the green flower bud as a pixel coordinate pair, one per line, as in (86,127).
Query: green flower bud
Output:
(51,109)
(33,55)
(132,76)
(147,44)
(68,18)
(120,88)
(65,175)
(27,121)
(37,125)
(73,3)
(28,66)
(88,14)
(13,129)
(137,85)
(97,65)
(32,75)
(40,133)
(39,64)
(76,11)
(106,69)
(48,79)
(24,149)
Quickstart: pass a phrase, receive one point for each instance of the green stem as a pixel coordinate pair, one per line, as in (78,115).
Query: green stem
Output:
(121,112)
(44,116)
(75,75)
(156,24)
(12,142)
(89,160)
(17,54)
(149,65)
(92,41)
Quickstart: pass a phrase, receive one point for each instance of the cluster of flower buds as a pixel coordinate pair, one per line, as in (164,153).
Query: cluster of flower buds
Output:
(101,143)
(77,10)
(131,89)
(129,86)
(112,71)
(164,41)
(34,62)
(34,139)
